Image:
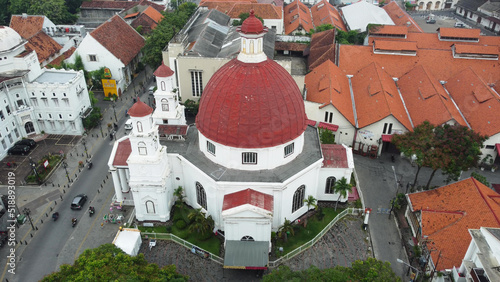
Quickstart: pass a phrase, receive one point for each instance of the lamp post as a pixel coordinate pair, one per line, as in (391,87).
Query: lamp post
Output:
(416,270)
(85,146)
(27,213)
(65,166)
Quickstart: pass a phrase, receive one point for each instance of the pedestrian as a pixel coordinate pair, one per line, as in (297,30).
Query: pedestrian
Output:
(102,225)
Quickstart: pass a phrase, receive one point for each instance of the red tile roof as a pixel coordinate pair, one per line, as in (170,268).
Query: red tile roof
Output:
(171,129)
(334,156)
(459,32)
(119,38)
(448,213)
(328,126)
(322,48)
(163,71)
(146,22)
(57,61)
(479,103)
(389,30)
(400,17)
(139,109)
(325,13)
(122,153)
(265,11)
(26,26)
(476,49)
(376,97)
(297,15)
(326,85)
(153,14)
(248,196)
(131,15)
(386,45)
(426,99)
(251,25)
(44,46)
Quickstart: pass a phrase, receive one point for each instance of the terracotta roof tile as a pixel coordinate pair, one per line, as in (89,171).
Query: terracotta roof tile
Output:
(297,15)
(26,26)
(387,45)
(153,14)
(44,46)
(122,153)
(57,61)
(376,97)
(265,11)
(119,38)
(169,129)
(325,13)
(248,196)
(139,109)
(322,48)
(147,23)
(459,32)
(476,49)
(203,2)
(426,99)
(479,103)
(163,71)
(131,15)
(220,6)
(326,84)
(400,17)
(334,156)
(450,211)
(389,30)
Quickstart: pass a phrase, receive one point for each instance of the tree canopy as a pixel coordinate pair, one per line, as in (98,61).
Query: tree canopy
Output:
(171,23)
(56,10)
(109,263)
(370,270)
(321,28)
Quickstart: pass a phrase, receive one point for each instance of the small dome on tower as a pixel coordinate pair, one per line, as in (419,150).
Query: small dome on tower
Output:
(163,71)
(140,109)
(251,25)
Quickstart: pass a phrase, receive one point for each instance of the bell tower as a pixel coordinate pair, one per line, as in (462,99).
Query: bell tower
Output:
(168,109)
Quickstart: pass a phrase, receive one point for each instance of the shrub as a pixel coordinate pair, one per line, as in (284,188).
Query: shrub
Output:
(177,216)
(180,224)
(183,234)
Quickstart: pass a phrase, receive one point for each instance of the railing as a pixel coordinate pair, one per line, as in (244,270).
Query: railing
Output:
(272,264)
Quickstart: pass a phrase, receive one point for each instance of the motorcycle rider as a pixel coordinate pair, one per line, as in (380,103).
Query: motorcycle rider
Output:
(73,221)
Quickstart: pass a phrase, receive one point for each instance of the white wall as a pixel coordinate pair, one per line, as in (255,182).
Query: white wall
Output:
(345,133)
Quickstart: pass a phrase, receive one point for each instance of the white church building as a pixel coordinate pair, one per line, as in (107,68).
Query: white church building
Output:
(249,161)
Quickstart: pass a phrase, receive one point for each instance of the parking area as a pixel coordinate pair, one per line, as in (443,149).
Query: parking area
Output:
(441,21)
(20,165)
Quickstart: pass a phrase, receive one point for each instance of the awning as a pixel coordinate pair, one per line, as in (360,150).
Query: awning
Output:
(311,122)
(328,126)
(246,254)
(386,138)
(498,148)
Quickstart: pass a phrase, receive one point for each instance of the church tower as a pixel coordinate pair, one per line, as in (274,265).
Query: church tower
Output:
(148,166)
(168,109)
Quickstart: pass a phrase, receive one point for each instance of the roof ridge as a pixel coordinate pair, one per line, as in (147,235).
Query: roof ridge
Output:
(484,199)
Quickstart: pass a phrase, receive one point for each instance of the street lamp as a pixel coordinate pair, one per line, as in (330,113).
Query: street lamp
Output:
(27,213)
(85,146)
(65,166)
(416,270)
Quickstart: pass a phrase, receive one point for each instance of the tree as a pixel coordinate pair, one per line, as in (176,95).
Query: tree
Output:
(286,228)
(321,28)
(326,136)
(200,223)
(310,202)
(5,13)
(18,7)
(96,78)
(192,106)
(179,194)
(55,10)
(243,17)
(109,263)
(342,188)
(480,178)
(350,37)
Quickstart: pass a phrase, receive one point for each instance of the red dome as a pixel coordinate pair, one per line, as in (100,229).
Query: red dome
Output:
(251,25)
(251,106)
(163,71)
(139,109)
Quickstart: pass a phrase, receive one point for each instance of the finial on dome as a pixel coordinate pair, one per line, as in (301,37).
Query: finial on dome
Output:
(252,12)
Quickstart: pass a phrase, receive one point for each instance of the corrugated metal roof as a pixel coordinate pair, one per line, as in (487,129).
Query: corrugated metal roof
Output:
(246,254)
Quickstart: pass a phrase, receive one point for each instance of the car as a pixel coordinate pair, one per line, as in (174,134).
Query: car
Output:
(128,124)
(151,90)
(19,150)
(78,202)
(28,142)
(431,21)
(459,25)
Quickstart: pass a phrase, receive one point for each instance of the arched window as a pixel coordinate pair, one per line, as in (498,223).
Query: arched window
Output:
(142,148)
(29,127)
(429,6)
(201,196)
(164,105)
(139,126)
(247,238)
(330,185)
(162,85)
(150,207)
(421,5)
(298,198)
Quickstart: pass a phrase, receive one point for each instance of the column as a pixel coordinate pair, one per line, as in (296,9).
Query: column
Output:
(123,180)
(118,188)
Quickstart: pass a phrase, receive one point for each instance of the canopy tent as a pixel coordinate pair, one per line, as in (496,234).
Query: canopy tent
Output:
(246,254)
(129,240)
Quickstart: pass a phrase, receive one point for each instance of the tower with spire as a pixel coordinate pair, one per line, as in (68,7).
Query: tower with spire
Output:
(168,109)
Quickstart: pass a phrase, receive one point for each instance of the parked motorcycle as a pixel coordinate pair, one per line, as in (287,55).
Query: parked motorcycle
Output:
(91,211)
(89,165)
(73,222)
(55,216)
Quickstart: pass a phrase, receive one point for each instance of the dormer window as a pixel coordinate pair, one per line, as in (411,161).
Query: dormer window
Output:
(164,105)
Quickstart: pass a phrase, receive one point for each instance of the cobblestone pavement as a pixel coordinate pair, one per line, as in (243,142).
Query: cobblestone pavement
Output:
(343,244)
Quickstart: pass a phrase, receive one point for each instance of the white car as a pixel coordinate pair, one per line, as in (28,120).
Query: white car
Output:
(128,124)
(151,90)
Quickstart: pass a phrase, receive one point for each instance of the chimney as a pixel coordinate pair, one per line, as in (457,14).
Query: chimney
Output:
(25,16)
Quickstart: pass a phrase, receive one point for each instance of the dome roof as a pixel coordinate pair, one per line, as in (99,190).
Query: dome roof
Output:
(139,109)
(251,106)
(9,38)
(251,25)
(163,71)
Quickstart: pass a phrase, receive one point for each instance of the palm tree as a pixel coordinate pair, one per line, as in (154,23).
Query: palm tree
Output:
(342,188)
(285,229)
(200,223)
(310,202)
(179,194)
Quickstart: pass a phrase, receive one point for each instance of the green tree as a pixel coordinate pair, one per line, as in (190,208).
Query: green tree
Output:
(372,270)
(93,99)
(342,187)
(96,78)
(326,136)
(321,28)
(55,10)
(286,228)
(5,13)
(243,17)
(201,223)
(192,106)
(18,7)
(109,263)
(179,195)
(480,178)
(74,5)
(350,37)
(311,202)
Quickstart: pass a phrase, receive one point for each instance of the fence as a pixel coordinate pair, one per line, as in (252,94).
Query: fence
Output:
(272,264)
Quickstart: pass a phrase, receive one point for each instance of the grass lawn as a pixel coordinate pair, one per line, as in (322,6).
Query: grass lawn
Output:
(303,235)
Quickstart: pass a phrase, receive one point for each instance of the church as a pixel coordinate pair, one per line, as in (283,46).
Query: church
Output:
(249,161)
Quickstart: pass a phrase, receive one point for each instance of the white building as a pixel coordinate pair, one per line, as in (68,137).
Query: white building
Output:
(32,99)
(249,162)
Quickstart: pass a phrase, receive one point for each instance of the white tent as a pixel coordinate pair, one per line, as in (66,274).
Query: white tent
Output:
(129,240)
(360,14)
